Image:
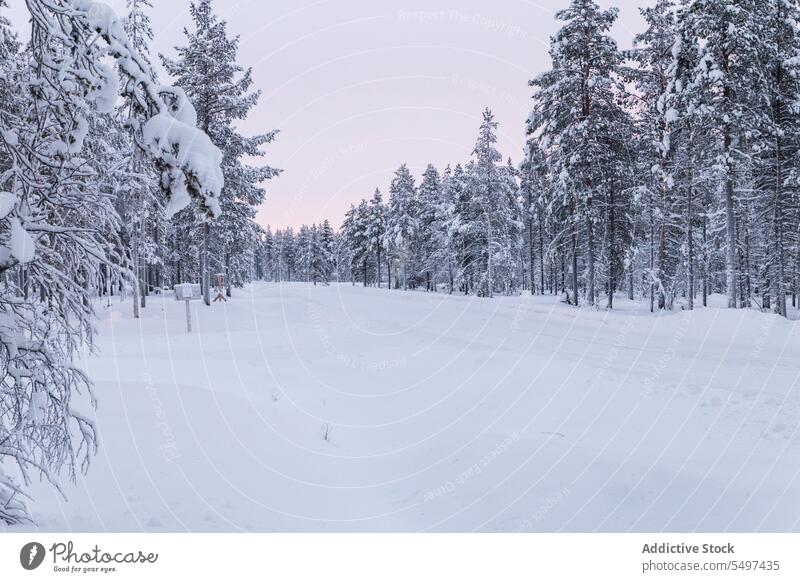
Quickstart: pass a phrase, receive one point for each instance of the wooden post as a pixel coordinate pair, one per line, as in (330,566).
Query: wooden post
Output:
(188,318)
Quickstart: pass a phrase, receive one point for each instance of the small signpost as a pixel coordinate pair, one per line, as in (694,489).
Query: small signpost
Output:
(219,287)
(188,292)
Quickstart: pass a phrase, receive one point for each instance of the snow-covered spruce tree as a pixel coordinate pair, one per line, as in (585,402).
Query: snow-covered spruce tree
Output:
(507,258)
(376,231)
(356,237)
(429,197)
(57,222)
(579,126)
(347,241)
(342,264)
(491,216)
(303,262)
(220,90)
(327,249)
(288,253)
(319,259)
(445,255)
(270,256)
(313,261)
(266,255)
(278,254)
(461,225)
(402,221)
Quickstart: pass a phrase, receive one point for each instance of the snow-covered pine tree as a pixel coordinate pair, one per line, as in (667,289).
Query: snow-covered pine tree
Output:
(485,197)
(220,90)
(446,255)
(653,57)
(461,224)
(139,200)
(304,253)
(576,120)
(377,230)
(314,258)
(402,221)
(342,261)
(728,72)
(777,208)
(507,256)
(539,214)
(289,253)
(138,27)
(267,255)
(429,197)
(356,235)
(685,145)
(532,171)
(319,259)
(327,242)
(279,255)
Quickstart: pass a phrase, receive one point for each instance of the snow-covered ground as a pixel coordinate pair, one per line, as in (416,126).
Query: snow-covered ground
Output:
(301,408)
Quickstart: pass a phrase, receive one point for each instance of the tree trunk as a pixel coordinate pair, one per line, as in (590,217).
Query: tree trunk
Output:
(378,264)
(204,268)
(705,260)
(690,238)
(795,265)
(135,288)
(611,282)
(730,220)
(652,273)
(228,274)
(531,257)
(590,295)
(575,301)
(779,260)
(541,255)
(450,275)
(142,283)
(630,281)
(489,263)
(748,283)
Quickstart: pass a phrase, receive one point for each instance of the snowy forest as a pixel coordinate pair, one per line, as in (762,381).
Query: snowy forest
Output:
(667,172)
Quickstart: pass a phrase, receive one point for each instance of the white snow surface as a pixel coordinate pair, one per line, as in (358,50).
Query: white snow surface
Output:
(442,413)
(22,246)
(7,203)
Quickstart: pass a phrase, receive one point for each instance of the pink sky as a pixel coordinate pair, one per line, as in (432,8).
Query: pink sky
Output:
(356,87)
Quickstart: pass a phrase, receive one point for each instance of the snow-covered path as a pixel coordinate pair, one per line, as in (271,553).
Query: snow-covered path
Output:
(301,408)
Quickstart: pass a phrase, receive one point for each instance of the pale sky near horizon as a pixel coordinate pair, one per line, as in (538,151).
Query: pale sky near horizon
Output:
(356,88)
